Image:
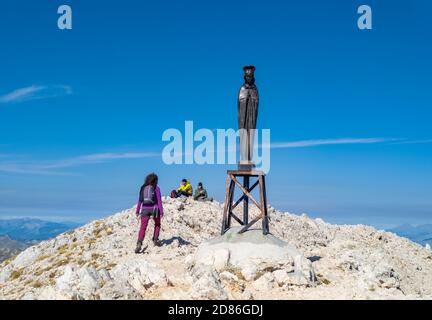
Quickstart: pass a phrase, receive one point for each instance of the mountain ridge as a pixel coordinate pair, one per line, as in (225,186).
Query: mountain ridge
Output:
(96,261)
(10,247)
(421,233)
(30,229)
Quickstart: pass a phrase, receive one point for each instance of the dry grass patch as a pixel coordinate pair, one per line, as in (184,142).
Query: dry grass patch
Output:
(90,242)
(99,227)
(59,263)
(42,257)
(110,266)
(74,246)
(16,274)
(39,272)
(96,256)
(234,270)
(68,254)
(6,262)
(81,262)
(62,249)
(323,280)
(97,233)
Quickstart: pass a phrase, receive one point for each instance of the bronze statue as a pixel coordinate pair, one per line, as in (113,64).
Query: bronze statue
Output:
(247,117)
(247,120)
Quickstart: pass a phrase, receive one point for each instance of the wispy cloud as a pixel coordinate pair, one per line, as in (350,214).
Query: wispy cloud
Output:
(97,158)
(321,142)
(50,167)
(414,141)
(21,94)
(35,92)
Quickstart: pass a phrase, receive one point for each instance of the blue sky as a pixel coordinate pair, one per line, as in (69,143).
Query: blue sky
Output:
(82,111)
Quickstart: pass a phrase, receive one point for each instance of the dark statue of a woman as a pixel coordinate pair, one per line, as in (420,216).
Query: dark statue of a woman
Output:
(247,117)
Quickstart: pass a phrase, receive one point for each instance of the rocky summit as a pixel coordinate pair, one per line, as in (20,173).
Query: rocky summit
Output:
(303,258)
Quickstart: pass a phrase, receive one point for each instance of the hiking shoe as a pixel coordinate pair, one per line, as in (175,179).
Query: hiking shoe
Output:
(138,247)
(157,243)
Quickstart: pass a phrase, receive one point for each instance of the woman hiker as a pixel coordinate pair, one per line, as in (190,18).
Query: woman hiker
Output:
(149,205)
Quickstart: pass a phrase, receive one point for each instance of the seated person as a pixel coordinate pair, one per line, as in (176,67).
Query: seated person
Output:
(185,189)
(201,193)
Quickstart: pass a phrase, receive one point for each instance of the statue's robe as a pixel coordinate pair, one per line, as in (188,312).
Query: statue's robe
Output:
(248,107)
(247,119)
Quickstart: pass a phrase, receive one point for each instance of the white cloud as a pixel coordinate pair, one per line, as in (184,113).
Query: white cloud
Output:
(414,141)
(21,94)
(50,167)
(96,158)
(321,142)
(35,92)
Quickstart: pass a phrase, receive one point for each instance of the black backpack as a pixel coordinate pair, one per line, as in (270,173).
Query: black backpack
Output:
(148,195)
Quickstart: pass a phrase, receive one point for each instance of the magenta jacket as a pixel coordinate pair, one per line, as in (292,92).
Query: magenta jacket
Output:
(158,203)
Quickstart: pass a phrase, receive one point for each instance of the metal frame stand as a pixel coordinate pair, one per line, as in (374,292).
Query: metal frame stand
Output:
(229,206)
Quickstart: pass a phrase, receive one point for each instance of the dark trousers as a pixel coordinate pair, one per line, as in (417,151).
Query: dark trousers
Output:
(176,194)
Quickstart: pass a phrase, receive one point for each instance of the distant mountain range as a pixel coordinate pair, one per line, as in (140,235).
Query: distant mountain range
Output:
(421,234)
(9,247)
(18,234)
(28,229)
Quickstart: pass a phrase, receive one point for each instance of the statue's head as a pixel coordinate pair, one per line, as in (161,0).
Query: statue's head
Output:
(249,74)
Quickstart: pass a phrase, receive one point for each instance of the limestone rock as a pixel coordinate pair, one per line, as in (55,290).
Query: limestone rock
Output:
(253,254)
(140,275)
